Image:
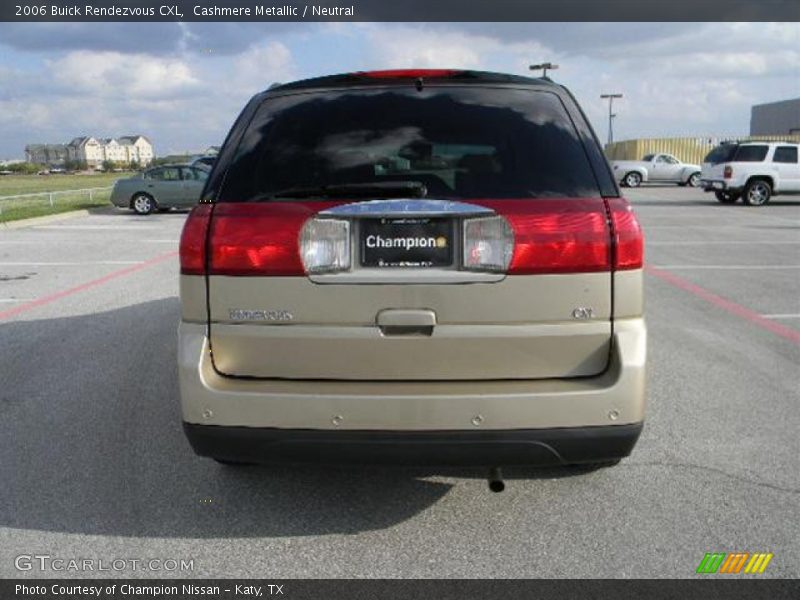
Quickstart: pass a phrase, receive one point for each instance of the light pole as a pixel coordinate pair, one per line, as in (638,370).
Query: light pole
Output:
(611,115)
(544,67)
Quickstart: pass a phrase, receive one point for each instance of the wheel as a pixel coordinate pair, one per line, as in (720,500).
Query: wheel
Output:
(632,179)
(726,197)
(694,180)
(757,192)
(143,204)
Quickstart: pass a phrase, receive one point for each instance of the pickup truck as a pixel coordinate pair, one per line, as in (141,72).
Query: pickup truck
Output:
(656,168)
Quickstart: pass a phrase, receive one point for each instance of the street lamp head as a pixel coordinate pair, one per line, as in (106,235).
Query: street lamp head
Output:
(611,95)
(543,66)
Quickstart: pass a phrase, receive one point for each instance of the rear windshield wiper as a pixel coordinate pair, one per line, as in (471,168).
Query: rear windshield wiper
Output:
(377,189)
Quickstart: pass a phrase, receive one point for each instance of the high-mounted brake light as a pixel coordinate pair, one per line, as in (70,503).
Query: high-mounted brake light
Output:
(192,249)
(407,73)
(628,236)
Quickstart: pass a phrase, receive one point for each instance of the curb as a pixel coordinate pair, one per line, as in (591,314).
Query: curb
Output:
(33,221)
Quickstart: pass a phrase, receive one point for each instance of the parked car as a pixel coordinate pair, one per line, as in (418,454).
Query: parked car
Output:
(753,171)
(428,267)
(656,168)
(160,188)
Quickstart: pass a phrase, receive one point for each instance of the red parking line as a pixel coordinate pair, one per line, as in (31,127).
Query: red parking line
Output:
(84,286)
(738,310)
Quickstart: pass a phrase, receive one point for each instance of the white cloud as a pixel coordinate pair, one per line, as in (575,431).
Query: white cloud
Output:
(263,64)
(122,75)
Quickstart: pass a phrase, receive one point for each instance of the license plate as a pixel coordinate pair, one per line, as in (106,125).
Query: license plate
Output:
(406,242)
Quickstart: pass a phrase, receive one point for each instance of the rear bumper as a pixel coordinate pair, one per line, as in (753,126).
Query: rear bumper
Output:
(615,397)
(529,447)
(720,185)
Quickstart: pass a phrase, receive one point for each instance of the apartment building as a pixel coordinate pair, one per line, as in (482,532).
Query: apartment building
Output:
(125,149)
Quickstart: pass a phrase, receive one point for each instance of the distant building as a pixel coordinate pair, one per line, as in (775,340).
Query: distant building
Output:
(46,154)
(776,118)
(211,151)
(94,151)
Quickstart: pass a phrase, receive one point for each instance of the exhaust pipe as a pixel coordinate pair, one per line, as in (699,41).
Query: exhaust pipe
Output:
(496,483)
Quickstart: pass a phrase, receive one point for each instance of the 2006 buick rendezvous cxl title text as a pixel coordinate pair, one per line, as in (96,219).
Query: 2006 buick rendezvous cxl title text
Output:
(424,267)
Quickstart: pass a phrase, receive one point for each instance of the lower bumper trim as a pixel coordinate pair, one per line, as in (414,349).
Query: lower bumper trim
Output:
(528,447)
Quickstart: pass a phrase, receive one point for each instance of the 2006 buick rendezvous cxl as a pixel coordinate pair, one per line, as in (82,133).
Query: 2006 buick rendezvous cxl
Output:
(425,267)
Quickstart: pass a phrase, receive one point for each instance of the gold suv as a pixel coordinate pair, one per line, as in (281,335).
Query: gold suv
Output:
(418,266)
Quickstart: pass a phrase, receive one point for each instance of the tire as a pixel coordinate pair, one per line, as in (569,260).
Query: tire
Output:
(694,180)
(726,197)
(143,204)
(757,192)
(632,179)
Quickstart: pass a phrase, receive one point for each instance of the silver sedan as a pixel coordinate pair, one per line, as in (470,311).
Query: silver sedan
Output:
(160,188)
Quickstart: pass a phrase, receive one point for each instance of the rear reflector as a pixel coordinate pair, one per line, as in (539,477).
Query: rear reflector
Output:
(259,238)
(727,172)
(567,235)
(628,236)
(193,241)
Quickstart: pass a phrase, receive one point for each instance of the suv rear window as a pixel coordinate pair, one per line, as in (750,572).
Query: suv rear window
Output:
(721,154)
(751,153)
(458,141)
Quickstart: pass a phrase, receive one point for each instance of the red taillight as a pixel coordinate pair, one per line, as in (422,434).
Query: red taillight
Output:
(193,241)
(259,238)
(407,73)
(727,172)
(557,235)
(628,236)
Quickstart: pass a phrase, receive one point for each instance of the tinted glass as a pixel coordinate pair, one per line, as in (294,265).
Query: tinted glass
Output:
(721,154)
(192,174)
(165,174)
(751,153)
(785,154)
(648,157)
(460,142)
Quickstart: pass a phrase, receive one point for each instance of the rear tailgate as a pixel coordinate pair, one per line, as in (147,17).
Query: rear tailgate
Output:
(550,317)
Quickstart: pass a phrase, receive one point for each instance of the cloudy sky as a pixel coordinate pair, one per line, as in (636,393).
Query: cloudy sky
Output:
(182,84)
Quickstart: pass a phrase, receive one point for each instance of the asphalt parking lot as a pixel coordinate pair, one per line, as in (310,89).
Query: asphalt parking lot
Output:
(93,461)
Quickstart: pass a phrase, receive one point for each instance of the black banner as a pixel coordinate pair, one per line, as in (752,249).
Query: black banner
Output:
(406,10)
(732,588)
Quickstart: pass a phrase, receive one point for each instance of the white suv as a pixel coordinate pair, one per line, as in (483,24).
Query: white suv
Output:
(754,171)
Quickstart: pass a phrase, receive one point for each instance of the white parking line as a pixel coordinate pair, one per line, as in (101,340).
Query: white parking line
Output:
(731,267)
(783,316)
(17,299)
(71,264)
